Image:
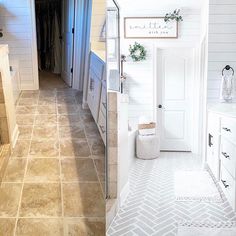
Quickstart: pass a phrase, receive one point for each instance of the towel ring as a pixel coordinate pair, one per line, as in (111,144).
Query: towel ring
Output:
(228,67)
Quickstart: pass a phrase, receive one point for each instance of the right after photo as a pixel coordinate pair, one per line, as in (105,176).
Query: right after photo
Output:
(171,118)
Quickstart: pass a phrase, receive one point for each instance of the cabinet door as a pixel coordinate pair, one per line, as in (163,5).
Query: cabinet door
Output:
(94,94)
(213,144)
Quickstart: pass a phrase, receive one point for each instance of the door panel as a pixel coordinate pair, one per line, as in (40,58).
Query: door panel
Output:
(174,124)
(174,84)
(174,88)
(67,40)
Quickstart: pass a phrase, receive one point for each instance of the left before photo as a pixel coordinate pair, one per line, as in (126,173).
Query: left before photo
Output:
(52,117)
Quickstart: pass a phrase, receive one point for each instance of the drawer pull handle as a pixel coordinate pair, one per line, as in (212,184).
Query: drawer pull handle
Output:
(226,129)
(210,137)
(102,128)
(91,84)
(225,155)
(105,105)
(224,183)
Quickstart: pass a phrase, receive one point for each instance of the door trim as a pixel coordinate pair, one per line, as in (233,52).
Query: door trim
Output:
(196,83)
(34,47)
(80,73)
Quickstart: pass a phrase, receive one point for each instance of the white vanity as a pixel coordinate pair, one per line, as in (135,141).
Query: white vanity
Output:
(221,148)
(97,90)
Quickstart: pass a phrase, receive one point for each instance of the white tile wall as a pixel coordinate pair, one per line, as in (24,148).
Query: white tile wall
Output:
(15,20)
(222,42)
(140,81)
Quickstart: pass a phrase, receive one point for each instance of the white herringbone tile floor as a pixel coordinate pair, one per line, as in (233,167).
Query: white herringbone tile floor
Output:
(151,209)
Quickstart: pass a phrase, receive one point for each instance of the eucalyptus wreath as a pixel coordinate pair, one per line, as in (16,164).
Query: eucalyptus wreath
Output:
(137,52)
(173,16)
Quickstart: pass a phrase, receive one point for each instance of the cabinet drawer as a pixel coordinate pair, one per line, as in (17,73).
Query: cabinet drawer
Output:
(228,186)
(228,129)
(227,155)
(97,65)
(102,126)
(94,93)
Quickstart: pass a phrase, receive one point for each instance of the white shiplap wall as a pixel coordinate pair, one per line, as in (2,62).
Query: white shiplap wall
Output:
(98,19)
(141,75)
(16,22)
(222,42)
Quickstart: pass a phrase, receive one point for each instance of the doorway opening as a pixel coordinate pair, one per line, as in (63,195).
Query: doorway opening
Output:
(55,42)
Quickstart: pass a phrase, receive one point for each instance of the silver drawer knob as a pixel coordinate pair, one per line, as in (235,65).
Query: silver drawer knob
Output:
(224,183)
(226,129)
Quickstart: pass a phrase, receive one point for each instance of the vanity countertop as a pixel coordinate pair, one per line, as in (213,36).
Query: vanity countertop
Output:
(228,109)
(99,49)
(100,53)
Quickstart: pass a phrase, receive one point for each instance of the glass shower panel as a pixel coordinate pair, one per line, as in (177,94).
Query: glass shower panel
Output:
(113,76)
(113,46)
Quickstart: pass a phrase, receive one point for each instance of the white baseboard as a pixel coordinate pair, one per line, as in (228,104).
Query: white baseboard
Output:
(15,135)
(124,194)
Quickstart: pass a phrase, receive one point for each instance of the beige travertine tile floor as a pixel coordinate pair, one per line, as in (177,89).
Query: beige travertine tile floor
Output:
(54,180)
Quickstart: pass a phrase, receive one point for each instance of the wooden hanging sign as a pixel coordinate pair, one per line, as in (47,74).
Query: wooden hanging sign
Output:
(149,27)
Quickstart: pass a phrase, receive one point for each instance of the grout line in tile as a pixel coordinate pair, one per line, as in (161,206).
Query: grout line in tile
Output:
(22,187)
(60,166)
(93,161)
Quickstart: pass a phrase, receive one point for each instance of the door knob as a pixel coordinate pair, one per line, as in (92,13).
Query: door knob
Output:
(159,106)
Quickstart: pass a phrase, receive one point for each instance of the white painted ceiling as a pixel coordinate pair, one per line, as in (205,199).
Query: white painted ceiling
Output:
(160,4)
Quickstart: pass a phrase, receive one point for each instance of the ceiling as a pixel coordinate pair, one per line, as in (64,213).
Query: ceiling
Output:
(159,4)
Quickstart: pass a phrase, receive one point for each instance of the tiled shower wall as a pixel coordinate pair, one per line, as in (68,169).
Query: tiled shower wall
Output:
(112,135)
(4,133)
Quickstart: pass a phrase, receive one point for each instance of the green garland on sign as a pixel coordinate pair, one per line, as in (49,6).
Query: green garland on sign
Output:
(137,52)
(173,16)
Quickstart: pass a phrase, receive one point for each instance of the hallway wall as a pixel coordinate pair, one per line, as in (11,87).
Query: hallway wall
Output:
(222,42)
(16,21)
(141,75)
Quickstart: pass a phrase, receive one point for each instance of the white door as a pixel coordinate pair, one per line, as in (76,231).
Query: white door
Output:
(174,89)
(67,40)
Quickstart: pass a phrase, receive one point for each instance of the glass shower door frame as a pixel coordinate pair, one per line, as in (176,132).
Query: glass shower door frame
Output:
(118,90)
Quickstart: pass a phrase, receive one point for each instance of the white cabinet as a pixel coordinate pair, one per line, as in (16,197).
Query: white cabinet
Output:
(96,75)
(213,144)
(97,93)
(221,152)
(94,94)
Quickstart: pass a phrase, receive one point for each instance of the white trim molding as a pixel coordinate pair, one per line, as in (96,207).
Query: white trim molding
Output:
(15,136)
(34,50)
(83,11)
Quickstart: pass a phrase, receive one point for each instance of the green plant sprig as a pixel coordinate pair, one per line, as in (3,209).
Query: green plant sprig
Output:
(173,16)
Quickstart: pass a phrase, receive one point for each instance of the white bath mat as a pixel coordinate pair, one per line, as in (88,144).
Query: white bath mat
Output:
(219,229)
(195,186)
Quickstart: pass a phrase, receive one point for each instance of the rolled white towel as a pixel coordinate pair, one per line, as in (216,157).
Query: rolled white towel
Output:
(227,91)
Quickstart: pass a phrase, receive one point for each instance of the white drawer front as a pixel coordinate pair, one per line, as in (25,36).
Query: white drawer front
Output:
(228,186)
(228,157)
(97,65)
(94,93)
(228,129)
